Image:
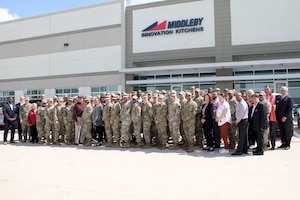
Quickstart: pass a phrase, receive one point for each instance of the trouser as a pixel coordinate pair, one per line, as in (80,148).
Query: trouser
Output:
(40,126)
(125,131)
(115,126)
(33,133)
(162,135)
(242,143)
(286,132)
(137,131)
(78,130)
(25,129)
(174,131)
(259,140)
(59,129)
(208,133)
(232,134)
(216,133)
(198,128)
(99,132)
(19,130)
(49,128)
(108,132)
(86,132)
(146,131)
(9,126)
(266,135)
(224,134)
(189,130)
(273,133)
(70,131)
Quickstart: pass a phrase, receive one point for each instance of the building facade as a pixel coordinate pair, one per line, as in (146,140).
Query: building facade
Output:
(176,44)
(72,52)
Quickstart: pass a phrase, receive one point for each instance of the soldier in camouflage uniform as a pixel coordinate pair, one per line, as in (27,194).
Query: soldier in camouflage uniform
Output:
(106,117)
(59,128)
(188,118)
(69,122)
(41,121)
(49,116)
(125,119)
(232,135)
(154,132)
(23,114)
(147,117)
(115,119)
(199,126)
(87,123)
(160,119)
(263,100)
(182,101)
(174,120)
(136,117)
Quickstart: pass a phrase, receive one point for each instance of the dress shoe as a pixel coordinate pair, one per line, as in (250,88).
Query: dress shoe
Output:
(210,149)
(282,146)
(12,142)
(273,148)
(287,148)
(5,143)
(237,154)
(255,153)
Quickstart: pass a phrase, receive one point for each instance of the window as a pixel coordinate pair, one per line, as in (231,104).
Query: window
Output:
(71,92)
(244,73)
(5,94)
(34,94)
(101,89)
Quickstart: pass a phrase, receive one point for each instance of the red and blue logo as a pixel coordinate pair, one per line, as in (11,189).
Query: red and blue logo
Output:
(174,27)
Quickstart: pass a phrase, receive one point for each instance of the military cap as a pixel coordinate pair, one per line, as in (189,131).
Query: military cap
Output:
(188,93)
(125,95)
(182,93)
(262,93)
(65,95)
(70,99)
(44,101)
(226,90)
(134,97)
(162,96)
(50,100)
(230,91)
(80,96)
(197,90)
(163,92)
(173,95)
(27,98)
(217,89)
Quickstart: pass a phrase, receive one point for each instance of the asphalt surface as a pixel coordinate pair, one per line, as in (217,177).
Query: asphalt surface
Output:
(32,171)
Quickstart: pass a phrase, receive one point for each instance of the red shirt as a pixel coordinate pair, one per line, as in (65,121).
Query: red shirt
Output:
(32,117)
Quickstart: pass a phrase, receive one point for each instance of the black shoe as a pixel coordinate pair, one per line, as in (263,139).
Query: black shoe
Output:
(210,149)
(255,153)
(273,148)
(237,154)
(287,148)
(282,146)
(206,148)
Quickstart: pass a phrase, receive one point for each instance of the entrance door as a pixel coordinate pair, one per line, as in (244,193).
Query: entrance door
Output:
(177,88)
(278,85)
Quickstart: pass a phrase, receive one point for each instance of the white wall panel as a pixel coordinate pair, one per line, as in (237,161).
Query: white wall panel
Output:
(143,18)
(9,31)
(31,28)
(264,21)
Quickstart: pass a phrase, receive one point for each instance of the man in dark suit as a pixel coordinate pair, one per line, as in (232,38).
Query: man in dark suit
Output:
(18,105)
(10,119)
(258,123)
(284,107)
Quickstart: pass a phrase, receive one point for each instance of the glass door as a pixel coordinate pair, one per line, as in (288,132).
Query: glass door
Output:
(177,88)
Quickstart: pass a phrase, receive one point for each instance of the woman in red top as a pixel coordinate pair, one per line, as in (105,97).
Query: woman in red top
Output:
(32,123)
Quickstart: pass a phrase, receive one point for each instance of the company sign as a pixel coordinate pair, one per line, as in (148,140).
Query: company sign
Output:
(174,27)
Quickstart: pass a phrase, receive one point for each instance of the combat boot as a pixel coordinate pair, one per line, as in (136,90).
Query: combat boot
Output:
(108,144)
(162,147)
(126,144)
(147,146)
(138,145)
(265,147)
(190,148)
(232,145)
(174,146)
(40,141)
(117,144)
(88,142)
(201,143)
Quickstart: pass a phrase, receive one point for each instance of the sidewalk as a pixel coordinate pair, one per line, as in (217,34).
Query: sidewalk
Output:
(32,171)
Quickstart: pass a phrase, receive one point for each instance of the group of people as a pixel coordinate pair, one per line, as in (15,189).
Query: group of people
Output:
(165,120)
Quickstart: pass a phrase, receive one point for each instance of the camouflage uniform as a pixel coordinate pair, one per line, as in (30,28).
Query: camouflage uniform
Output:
(188,117)
(49,127)
(106,116)
(154,131)
(58,122)
(125,119)
(147,117)
(115,121)
(267,130)
(174,120)
(69,124)
(160,118)
(87,124)
(232,129)
(136,117)
(40,122)
(199,126)
(24,110)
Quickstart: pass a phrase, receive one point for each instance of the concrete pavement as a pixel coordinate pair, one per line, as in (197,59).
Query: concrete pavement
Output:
(32,171)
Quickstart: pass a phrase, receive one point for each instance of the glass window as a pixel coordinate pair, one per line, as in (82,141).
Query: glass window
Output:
(176,75)
(264,72)
(294,71)
(71,92)
(207,74)
(280,71)
(162,77)
(34,94)
(163,87)
(5,94)
(294,84)
(243,73)
(100,89)
(191,75)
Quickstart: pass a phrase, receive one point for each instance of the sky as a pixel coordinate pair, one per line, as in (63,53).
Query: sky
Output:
(14,9)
